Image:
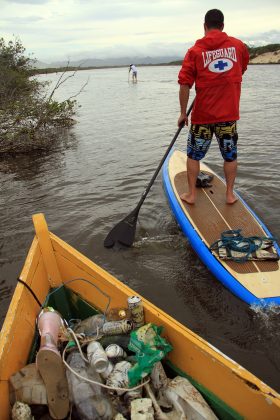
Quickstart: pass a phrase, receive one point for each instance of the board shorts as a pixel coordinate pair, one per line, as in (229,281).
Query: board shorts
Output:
(200,137)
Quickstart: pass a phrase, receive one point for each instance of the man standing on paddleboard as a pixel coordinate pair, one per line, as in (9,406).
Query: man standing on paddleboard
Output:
(215,64)
(133,68)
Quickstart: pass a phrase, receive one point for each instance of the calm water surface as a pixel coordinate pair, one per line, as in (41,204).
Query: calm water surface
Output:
(96,174)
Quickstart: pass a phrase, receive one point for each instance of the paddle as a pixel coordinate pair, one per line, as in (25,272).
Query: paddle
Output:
(124,231)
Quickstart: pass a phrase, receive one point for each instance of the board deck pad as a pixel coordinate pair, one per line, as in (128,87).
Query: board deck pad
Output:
(221,217)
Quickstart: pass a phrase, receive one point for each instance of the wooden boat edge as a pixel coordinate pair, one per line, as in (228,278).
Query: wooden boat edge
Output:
(260,394)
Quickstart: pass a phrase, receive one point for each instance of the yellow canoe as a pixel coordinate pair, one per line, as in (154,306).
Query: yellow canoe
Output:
(231,391)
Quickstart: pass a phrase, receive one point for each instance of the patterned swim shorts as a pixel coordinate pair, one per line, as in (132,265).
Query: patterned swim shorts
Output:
(200,137)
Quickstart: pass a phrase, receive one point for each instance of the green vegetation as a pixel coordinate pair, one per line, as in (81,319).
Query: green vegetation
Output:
(29,118)
(255,51)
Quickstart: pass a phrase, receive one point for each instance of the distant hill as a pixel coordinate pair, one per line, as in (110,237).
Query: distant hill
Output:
(121,61)
(268,54)
(255,51)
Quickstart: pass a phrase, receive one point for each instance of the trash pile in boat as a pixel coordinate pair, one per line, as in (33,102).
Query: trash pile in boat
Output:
(107,366)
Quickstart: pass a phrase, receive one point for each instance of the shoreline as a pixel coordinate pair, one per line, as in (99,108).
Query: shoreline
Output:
(67,69)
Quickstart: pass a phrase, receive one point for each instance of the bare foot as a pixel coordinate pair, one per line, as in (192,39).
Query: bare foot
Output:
(231,199)
(188,198)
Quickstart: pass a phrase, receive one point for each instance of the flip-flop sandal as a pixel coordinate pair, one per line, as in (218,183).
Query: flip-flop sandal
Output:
(51,368)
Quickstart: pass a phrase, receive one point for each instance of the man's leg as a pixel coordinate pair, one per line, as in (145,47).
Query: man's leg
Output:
(199,140)
(230,170)
(193,167)
(227,137)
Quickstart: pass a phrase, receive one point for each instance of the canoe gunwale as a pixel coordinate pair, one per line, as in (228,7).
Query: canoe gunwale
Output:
(209,367)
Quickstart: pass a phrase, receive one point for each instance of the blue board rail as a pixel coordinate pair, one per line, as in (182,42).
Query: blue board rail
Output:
(212,263)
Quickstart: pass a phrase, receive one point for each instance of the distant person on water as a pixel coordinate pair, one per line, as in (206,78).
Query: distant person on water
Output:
(133,68)
(215,64)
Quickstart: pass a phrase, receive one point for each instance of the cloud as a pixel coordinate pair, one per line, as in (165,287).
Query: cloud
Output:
(21,20)
(53,28)
(263,38)
(28,1)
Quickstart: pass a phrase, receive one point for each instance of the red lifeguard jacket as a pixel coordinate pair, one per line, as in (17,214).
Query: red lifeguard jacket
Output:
(215,64)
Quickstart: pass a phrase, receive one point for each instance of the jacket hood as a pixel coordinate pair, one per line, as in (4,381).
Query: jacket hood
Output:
(212,40)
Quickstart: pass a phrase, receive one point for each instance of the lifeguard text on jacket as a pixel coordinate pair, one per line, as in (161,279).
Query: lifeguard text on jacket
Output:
(209,56)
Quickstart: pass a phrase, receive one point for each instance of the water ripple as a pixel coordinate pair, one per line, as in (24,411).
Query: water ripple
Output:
(96,176)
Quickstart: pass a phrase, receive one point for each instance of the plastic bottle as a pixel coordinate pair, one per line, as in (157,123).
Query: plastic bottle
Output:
(49,324)
(89,326)
(187,401)
(89,399)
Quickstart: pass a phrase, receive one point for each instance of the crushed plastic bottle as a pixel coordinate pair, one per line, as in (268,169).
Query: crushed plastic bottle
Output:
(91,325)
(89,399)
(187,401)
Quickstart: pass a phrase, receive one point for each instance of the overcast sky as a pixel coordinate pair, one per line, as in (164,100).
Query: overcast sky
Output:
(59,29)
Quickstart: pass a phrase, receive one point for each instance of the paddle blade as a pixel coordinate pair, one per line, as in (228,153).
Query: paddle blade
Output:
(123,232)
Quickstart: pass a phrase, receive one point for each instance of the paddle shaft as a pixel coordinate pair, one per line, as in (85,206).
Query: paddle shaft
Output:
(146,191)
(124,231)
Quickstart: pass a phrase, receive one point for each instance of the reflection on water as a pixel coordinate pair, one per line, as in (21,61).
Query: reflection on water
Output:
(95,175)
(27,166)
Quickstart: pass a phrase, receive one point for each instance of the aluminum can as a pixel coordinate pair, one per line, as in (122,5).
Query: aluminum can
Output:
(97,357)
(119,377)
(117,327)
(137,311)
(113,350)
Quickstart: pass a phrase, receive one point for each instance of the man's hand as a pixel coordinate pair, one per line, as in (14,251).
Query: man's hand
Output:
(183,120)
(184,93)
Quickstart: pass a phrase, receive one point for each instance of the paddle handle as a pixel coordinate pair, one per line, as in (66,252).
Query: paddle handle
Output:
(147,189)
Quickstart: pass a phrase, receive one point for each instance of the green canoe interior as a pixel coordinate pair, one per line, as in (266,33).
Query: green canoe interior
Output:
(72,306)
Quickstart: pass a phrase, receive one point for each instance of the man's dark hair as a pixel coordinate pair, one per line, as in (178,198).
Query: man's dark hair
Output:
(214,19)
